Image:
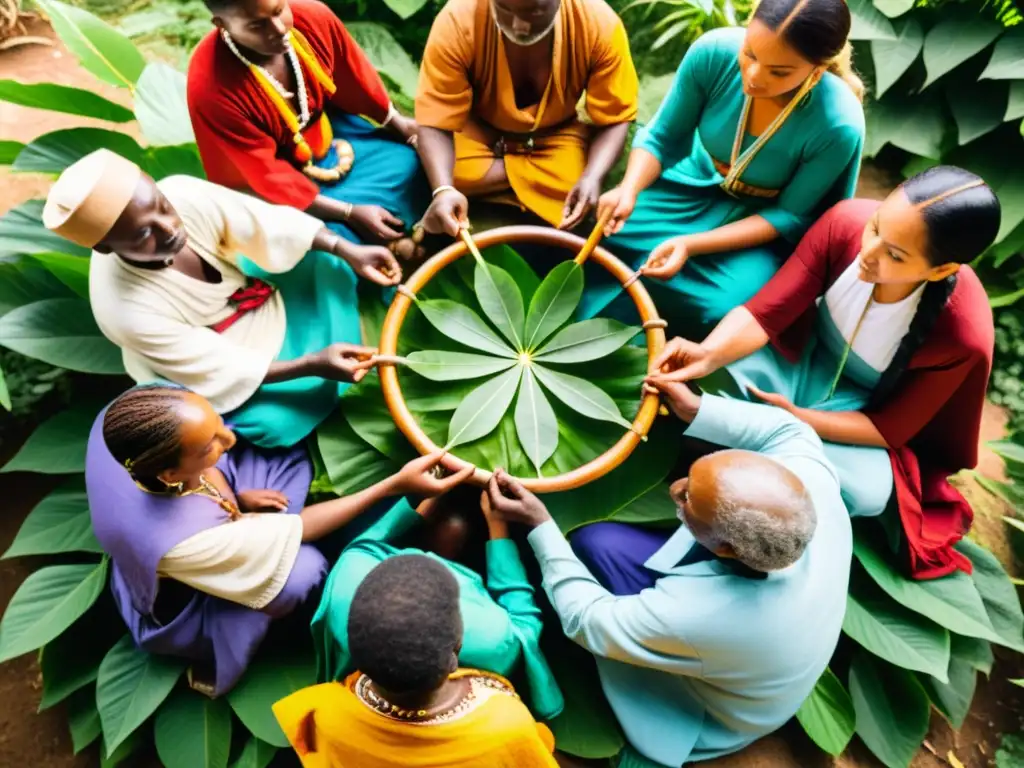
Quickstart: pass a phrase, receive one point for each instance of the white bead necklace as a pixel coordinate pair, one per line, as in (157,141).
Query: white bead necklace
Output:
(293,59)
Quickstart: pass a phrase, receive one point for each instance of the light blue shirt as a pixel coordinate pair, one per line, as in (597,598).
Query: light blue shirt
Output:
(708,660)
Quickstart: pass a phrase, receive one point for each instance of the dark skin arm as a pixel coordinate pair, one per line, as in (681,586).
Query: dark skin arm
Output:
(605,150)
(448,210)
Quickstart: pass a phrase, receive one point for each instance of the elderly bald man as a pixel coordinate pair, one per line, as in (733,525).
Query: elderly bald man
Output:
(711,636)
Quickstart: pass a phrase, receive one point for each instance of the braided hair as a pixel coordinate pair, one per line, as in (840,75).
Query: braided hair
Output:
(961,221)
(142,431)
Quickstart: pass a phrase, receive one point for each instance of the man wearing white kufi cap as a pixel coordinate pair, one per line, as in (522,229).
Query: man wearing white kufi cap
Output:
(208,288)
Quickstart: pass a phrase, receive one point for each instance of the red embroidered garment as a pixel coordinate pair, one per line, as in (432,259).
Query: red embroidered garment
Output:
(932,421)
(243,140)
(255,294)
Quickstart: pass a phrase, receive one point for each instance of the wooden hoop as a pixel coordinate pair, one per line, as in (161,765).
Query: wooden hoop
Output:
(655,334)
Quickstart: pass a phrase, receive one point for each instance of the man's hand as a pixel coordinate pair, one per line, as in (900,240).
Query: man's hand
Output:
(580,201)
(262,500)
(376,222)
(513,503)
(667,259)
(619,204)
(420,476)
(683,360)
(681,400)
(374,263)
(448,212)
(343,362)
(771,398)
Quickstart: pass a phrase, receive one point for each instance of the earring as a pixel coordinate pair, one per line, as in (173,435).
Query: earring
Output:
(168,261)
(175,487)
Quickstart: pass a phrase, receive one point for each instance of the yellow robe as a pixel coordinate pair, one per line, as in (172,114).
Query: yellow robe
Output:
(329,727)
(465,87)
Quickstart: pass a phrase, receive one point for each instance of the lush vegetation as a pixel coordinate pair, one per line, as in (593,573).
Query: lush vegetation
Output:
(909,647)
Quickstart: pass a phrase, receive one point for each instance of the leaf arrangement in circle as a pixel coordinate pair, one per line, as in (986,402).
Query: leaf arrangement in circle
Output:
(514,347)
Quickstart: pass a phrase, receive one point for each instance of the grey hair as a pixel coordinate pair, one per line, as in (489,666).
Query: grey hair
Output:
(762,538)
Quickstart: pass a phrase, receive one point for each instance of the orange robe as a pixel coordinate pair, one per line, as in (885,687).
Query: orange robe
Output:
(466,88)
(329,727)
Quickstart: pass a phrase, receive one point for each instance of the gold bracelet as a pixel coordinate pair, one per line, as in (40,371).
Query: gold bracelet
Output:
(348,212)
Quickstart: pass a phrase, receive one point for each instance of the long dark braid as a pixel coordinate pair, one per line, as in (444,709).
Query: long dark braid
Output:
(961,214)
(142,430)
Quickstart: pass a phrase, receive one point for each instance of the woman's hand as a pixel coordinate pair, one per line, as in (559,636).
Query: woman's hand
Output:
(683,360)
(619,202)
(379,223)
(343,362)
(374,263)
(497,528)
(770,398)
(420,477)
(510,499)
(667,259)
(405,127)
(448,212)
(262,500)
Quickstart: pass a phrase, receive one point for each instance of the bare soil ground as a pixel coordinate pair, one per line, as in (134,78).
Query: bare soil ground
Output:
(31,739)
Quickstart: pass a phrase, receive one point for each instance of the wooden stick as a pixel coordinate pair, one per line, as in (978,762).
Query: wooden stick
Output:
(595,237)
(470,243)
(390,360)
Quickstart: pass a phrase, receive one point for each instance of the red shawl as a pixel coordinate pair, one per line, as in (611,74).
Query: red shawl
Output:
(243,140)
(932,420)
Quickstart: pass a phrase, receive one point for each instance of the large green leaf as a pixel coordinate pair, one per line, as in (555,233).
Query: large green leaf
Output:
(893,57)
(59,523)
(193,731)
(953,697)
(53,152)
(63,98)
(178,160)
(83,718)
(405,8)
(387,56)
(1008,450)
(464,326)
(71,661)
(536,424)
(63,333)
(22,231)
(57,446)
(997,593)
(1015,105)
(977,653)
(351,464)
(501,302)
(161,107)
(100,48)
(891,707)
(255,754)
(953,41)
(439,365)
(479,413)
(894,8)
(978,109)
(5,394)
(952,601)
(893,632)
(554,302)
(49,601)
(9,150)
(1007,62)
(130,687)
(827,714)
(868,22)
(582,396)
(586,340)
(73,271)
(268,680)
(114,756)
(916,125)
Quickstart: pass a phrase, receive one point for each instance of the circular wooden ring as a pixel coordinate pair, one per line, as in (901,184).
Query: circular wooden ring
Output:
(655,335)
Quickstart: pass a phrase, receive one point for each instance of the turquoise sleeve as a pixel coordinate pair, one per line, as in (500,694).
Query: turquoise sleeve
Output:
(396,521)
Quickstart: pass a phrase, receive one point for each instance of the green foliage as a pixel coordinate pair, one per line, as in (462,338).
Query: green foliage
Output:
(59,523)
(1011,751)
(193,731)
(827,715)
(270,679)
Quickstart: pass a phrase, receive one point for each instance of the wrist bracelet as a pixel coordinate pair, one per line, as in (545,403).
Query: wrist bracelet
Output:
(347,214)
(391,115)
(443,188)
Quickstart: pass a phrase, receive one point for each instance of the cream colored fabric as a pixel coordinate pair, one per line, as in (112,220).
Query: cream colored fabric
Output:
(246,561)
(160,318)
(87,199)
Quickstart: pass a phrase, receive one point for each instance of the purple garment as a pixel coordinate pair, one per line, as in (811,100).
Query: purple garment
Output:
(137,529)
(615,554)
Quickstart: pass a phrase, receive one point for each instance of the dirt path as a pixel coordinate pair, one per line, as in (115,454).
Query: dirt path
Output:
(30,739)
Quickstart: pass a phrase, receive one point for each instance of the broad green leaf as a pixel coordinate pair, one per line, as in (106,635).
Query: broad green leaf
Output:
(5,394)
(161,108)
(83,718)
(506,257)
(501,301)
(63,333)
(59,523)
(1014,522)
(953,696)
(22,231)
(868,22)
(57,446)
(63,98)
(268,680)
(916,125)
(895,633)
(586,340)
(893,57)
(891,707)
(997,593)
(827,714)
(182,159)
(405,8)
(114,756)
(536,424)
(193,731)
(351,464)
(1015,105)
(978,109)
(9,150)
(364,409)
(255,754)
(482,409)
(464,326)
(894,8)
(71,661)
(953,41)
(53,152)
(99,48)
(130,687)
(1007,62)
(1008,450)
(73,271)
(438,365)
(582,396)
(387,56)
(23,281)
(952,602)
(554,302)
(977,653)
(47,603)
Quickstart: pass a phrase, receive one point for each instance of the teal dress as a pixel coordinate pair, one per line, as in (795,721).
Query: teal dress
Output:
(812,161)
(501,618)
(865,472)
